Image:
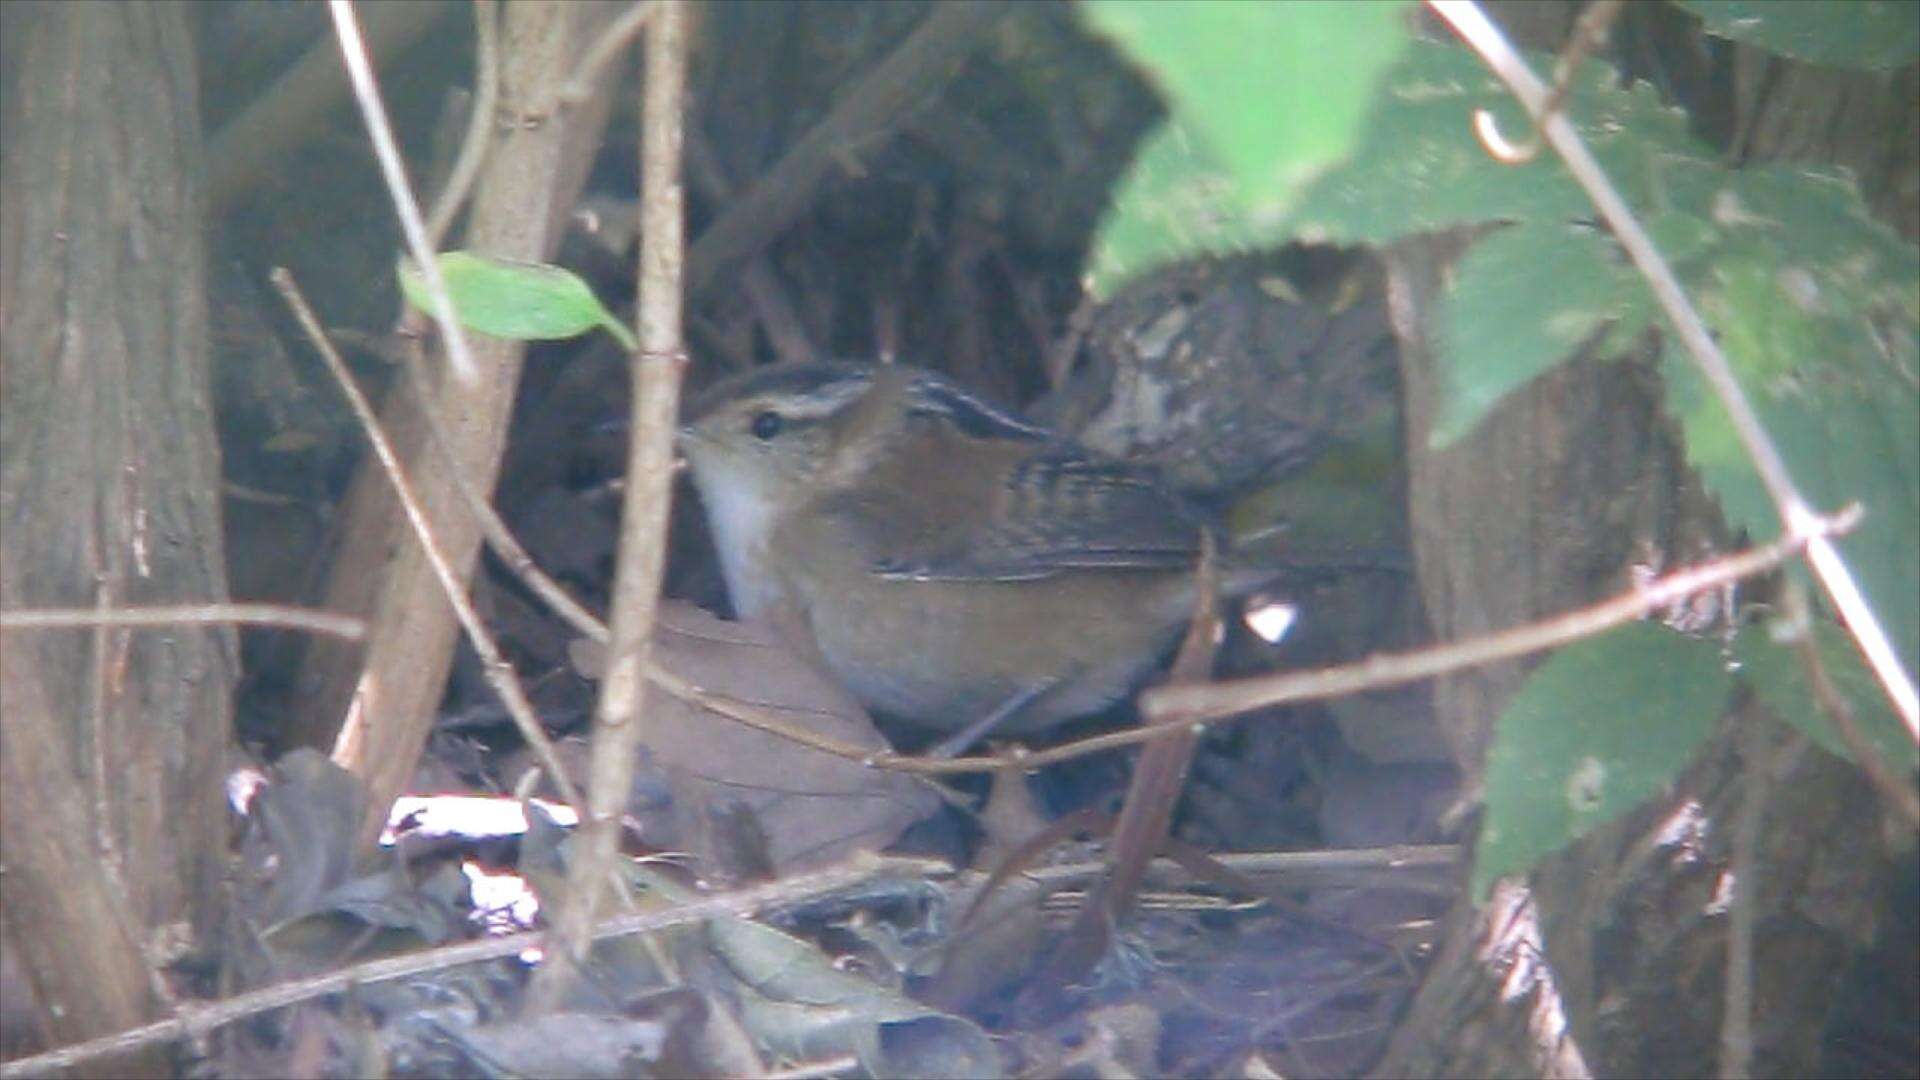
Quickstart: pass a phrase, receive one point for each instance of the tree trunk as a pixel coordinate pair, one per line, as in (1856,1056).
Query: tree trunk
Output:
(114,740)
(1542,509)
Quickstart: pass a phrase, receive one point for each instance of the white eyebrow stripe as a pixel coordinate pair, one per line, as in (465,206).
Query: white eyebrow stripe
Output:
(974,415)
(818,403)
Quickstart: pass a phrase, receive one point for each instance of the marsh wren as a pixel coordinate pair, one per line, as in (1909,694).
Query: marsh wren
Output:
(958,566)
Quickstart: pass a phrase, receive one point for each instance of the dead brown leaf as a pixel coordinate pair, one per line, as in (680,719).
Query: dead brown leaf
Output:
(811,808)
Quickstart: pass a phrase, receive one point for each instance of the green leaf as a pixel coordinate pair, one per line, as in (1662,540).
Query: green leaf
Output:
(1778,676)
(1278,90)
(1262,98)
(521,301)
(1602,725)
(1817,308)
(1817,305)
(1418,168)
(1519,302)
(1526,297)
(1869,34)
(1176,202)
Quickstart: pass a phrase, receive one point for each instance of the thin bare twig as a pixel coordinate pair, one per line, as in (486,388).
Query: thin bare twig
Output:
(1822,556)
(282,119)
(197,1020)
(500,538)
(1194,704)
(1304,864)
(387,150)
(871,108)
(473,147)
(1759,758)
(612,41)
(498,672)
(658,367)
(291,618)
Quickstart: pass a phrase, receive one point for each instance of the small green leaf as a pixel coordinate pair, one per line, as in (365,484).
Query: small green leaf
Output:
(1780,679)
(1870,34)
(1520,302)
(1602,725)
(521,301)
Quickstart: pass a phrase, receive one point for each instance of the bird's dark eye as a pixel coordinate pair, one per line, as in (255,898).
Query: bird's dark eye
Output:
(767,424)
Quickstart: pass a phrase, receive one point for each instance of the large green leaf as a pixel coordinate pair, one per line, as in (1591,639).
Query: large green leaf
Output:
(1871,34)
(1524,297)
(1278,90)
(1261,97)
(1177,201)
(1816,304)
(1602,725)
(1418,168)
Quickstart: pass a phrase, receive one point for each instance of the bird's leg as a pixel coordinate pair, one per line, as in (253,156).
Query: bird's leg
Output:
(958,743)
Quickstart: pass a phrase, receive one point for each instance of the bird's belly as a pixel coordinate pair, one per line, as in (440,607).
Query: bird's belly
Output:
(903,656)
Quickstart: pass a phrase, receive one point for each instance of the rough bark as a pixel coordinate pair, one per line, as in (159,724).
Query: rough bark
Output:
(1539,510)
(109,495)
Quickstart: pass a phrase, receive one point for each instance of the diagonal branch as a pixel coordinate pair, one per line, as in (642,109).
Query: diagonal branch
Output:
(498,672)
(869,110)
(196,1020)
(1196,704)
(289,618)
(1187,704)
(387,149)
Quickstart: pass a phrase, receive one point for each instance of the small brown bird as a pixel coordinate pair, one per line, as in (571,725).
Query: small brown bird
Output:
(960,568)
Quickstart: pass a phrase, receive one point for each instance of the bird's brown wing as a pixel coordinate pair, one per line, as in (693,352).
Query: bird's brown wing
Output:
(1059,510)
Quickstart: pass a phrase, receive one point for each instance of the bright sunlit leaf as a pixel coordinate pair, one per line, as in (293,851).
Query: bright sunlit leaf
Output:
(1278,90)
(520,301)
